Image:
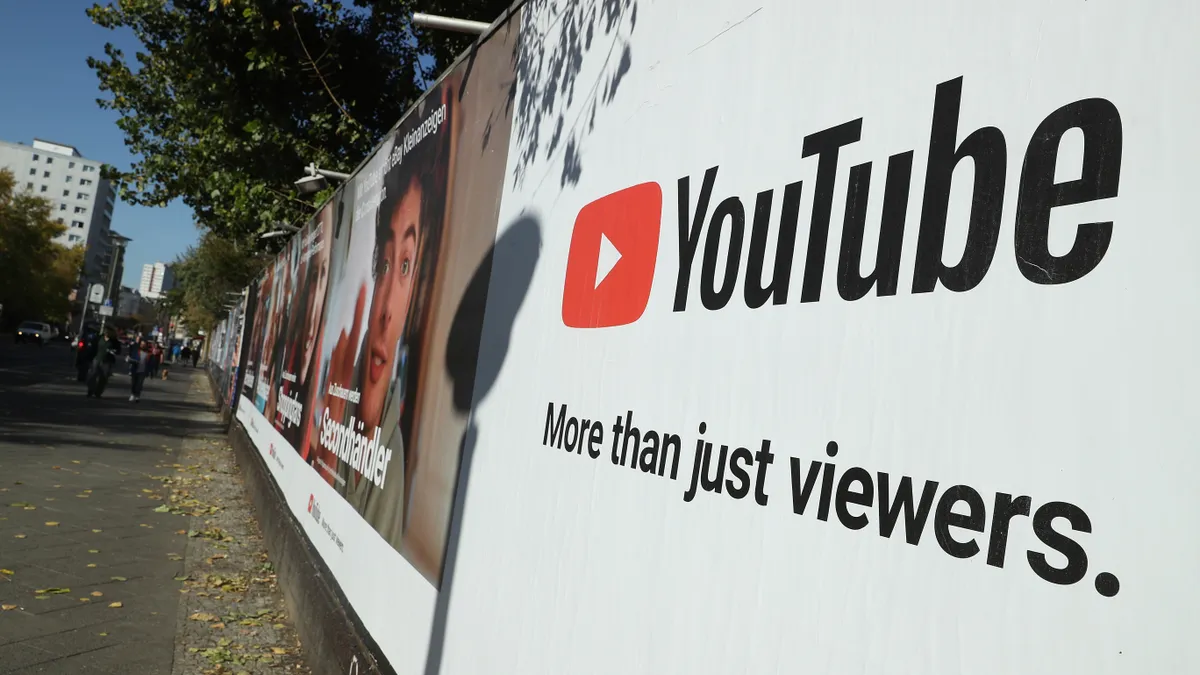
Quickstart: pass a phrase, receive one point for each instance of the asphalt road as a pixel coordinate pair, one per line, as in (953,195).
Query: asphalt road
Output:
(78,530)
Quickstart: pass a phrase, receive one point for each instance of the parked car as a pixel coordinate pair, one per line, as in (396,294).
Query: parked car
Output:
(34,331)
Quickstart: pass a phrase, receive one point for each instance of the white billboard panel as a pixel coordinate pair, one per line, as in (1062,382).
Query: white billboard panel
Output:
(893,366)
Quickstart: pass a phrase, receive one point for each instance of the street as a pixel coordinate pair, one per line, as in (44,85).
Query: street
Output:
(90,572)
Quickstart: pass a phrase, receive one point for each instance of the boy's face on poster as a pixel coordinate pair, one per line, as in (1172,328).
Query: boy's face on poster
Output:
(316,302)
(395,272)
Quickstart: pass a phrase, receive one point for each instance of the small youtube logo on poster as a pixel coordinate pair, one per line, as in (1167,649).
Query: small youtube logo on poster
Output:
(610,267)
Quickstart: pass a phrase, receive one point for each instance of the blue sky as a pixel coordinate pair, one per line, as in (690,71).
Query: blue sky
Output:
(50,93)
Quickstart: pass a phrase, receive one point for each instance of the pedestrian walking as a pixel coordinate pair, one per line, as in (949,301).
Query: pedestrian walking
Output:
(102,363)
(155,359)
(139,361)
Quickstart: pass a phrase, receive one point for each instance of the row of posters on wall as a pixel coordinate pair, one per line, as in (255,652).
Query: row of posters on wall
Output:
(347,386)
(843,354)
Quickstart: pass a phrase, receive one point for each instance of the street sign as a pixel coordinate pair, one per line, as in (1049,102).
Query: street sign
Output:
(96,294)
(108,302)
(106,310)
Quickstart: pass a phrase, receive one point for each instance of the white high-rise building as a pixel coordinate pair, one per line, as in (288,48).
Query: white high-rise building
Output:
(157,279)
(80,198)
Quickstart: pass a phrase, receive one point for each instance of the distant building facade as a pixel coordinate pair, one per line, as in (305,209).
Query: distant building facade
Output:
(81,200)
(157,279)
(134,306)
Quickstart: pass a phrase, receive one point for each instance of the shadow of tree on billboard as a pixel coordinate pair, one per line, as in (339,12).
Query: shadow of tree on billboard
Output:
(475,352)
(556,37)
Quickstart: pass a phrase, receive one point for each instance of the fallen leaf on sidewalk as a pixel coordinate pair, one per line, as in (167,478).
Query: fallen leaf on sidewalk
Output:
(102,634)
(85,599)
(278,650)
(18,536)
(53,591)
(162,509)
(97,594)
(116,605)
(56,468)
(97,531)
(51,523)
(19,504)
(119,579)
(7,608)
(183,578)
(91,564)
(204,616)
(93,550)
(75,461)
(217,626)
(8,572)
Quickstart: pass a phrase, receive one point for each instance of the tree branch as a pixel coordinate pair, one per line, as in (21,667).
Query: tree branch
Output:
(317,70)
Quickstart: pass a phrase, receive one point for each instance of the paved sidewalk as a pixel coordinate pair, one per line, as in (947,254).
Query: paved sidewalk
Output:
(91,573)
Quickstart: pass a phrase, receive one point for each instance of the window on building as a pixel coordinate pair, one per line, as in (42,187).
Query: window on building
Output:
(29,186)
(71,165)
(80,209)
(43,188)
(49,160)
(68,179)
(74,238)
(83,195)
(45,174)
(35,158)
(85,181)
(33,172)
(88,168)
(62,207)
(66,193)
(76,223)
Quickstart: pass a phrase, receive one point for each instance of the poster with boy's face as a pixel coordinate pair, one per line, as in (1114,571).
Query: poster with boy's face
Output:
(302,326)
(256,335)
(376,309)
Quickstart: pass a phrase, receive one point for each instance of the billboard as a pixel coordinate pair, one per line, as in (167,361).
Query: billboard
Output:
(347,392)
(824,338)
(852,327)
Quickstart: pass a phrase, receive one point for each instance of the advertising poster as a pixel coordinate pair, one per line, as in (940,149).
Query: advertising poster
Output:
(860,341)
(351,393)
(238,324)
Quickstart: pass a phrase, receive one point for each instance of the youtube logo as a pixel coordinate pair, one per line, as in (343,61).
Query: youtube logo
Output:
(610,267)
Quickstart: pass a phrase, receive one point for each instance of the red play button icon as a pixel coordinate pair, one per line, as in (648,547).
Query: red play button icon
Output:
(610,267)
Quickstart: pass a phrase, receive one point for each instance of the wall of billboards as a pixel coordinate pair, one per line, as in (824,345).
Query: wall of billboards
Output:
(705,337)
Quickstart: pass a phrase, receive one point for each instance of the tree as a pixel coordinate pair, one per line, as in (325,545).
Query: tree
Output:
(36,273)
(205,276)
(227,100)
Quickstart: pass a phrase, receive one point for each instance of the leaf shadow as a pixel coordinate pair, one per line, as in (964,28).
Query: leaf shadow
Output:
(556,36)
